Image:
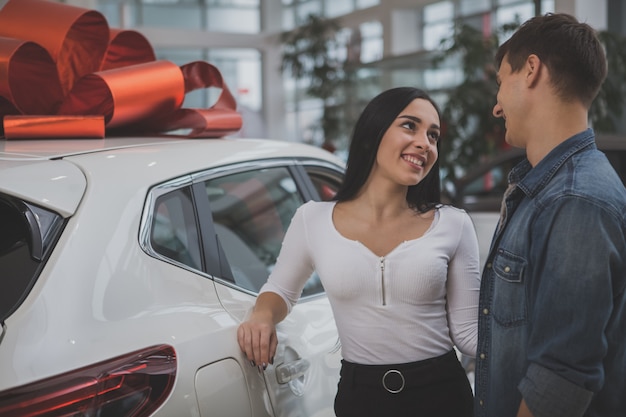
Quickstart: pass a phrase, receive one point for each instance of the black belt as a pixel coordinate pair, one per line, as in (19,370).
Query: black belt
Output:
(395,378)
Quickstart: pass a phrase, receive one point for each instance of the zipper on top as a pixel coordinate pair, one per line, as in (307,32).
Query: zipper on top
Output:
(382,279)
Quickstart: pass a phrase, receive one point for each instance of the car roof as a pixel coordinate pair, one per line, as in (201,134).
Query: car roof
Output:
(56,173)
(38,149)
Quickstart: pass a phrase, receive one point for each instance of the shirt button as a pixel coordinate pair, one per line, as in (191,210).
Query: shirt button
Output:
(485,311)
(482,356)
(481,402)
(507,269)
(488,265)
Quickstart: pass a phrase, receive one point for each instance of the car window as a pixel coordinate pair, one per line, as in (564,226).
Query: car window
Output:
(251,213)
(174,232)
(493,182)
(28,234)
(325,181)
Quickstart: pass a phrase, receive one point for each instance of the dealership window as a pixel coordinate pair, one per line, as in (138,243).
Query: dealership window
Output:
(296,11)
(240,68)
(239,16)
(474,6)
(371,41)
(438,23)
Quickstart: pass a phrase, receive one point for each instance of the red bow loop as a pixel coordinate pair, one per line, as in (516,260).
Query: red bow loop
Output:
(64,73)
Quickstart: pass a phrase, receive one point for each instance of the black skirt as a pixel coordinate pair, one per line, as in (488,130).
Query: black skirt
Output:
(436,387)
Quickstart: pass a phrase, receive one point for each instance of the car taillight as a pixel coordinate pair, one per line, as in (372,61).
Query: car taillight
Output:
(134,385)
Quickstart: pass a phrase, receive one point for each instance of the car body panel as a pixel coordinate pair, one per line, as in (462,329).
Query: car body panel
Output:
(232,386)
(59,186)
(316,342)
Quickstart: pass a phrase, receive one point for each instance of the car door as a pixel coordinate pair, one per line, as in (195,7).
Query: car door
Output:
(251,208)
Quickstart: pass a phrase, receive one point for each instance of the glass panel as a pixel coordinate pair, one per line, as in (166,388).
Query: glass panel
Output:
(442,77)
(292,129)
(362,4)
(371,50)
(492,183)
(474,6)
(174,232)
(372,44)
(180,56)
(371,29)
(241,69)
(234,19)
(326,182)
(27,236)
(111,11)
(435,33)
(182,16)
(333,8)
(509,14)
(305,9)
(309,118)
(289,19)
(244,3)
(251,213)
(547,6)
(169,2)
(436,12)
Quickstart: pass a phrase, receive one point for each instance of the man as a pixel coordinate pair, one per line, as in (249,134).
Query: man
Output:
(552,326)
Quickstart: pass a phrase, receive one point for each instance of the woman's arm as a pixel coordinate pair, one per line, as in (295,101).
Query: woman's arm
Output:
(257,335)
(463,290)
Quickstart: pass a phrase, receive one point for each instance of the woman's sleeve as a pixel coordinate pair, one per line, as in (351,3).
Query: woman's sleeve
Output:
(463,289)
(294,264)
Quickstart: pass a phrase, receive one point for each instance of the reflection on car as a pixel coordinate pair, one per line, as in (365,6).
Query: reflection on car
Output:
(128,263)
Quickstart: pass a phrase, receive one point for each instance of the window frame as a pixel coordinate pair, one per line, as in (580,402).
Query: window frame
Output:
(214,262)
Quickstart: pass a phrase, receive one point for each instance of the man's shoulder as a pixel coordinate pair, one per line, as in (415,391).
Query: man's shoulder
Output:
(594,174)
(588,175)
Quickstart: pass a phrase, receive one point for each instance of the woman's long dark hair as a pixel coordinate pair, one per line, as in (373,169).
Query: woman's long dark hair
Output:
(376,118)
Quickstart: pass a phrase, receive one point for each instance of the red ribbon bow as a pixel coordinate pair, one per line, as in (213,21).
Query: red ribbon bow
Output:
(65,73)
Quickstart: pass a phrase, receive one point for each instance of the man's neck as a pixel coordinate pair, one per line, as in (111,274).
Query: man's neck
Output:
(553,127)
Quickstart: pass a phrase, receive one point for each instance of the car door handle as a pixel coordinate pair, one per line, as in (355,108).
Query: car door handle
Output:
(286,372)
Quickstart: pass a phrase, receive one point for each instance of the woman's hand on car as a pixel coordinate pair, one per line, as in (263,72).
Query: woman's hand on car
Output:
(257,339)
(257,335)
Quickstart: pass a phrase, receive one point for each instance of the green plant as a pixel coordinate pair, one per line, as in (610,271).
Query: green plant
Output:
(471,131)
(609,104)
(310,55)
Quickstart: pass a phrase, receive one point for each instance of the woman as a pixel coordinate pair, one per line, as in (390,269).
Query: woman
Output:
(399,268)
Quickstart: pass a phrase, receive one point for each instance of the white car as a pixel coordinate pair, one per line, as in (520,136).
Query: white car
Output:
(126,265)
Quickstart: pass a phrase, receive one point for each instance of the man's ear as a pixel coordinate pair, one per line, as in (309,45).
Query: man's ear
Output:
(533,68)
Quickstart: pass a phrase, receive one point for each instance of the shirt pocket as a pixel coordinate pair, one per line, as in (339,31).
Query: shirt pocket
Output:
(509,306)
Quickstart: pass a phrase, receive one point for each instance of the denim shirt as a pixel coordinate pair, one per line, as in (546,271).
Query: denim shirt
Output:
(552,312)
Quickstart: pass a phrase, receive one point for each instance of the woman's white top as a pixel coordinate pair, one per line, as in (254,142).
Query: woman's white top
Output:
(414,303)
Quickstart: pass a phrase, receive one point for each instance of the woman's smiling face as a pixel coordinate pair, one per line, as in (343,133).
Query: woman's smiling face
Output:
(408,149)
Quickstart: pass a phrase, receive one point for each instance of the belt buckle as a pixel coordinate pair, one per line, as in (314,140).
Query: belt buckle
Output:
(393,391)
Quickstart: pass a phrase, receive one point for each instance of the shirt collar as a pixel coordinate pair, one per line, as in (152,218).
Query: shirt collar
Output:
(531,180)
